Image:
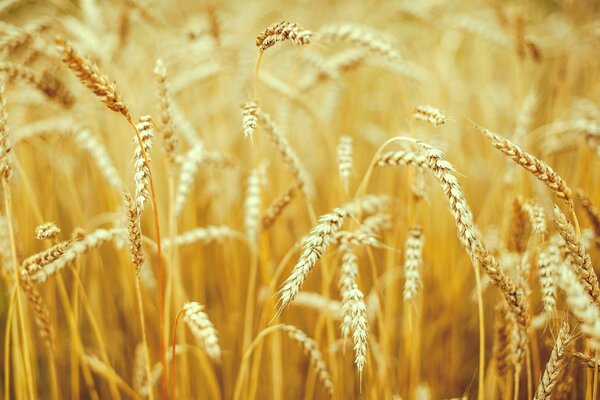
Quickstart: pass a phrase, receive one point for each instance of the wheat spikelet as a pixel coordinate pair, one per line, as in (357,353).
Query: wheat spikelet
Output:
(277,207)
(525,115)
(578,256)
(360,37)
(6,162)
(537,218)
(49,230)
(249,118)
(547,263)
(47,83)
(413,261)
(280,32)
(331,68)
(347,281)
(77,248)
(15,39)
(290,158)
(429,114)
(142,169)
(135,232)
(372,43)
(320,303)
(166,119)
(402,158)
(353,308)
(202,328)
(87,141)
(36,261)
(582,306)
(40,310)
(315,244)
(367,205)
(517,235)
(205,235)
(252,204)
(584,360)
(88,74)
(316,357)
(503,345)
(592,213)
(558,359)
(467,235)
(355,239)
(344,153)
(537,167)
(189,168)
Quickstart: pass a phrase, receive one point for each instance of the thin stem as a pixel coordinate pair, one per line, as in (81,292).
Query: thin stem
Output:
(173,341)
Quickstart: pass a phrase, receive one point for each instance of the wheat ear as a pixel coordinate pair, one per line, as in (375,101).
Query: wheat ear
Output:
(280,32)
(558,359)
(344,153)
(202,328)
(413,261)
(6,162)
(429,114)
(165,105)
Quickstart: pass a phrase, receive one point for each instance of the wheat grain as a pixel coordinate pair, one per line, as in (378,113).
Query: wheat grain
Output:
(537,218)
(413,261)
(166,119)
(280,32)
(290,158)
(537,167)
(315,244)
(591,212)
(40,309)
(49,230)
(547,263)
(249,118)
(277,207)
(202,328)
(503,344)
(142,169)
(517,235)
(252,204)
(205,235)
(558,358)
(88,74)
(6,162)
(316,357)
(77,248)
(582,306)
(135,233)
(429,114)
(578,256)
(344,153)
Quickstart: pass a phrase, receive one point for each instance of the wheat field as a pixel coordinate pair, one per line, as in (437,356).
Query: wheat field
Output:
(295,200)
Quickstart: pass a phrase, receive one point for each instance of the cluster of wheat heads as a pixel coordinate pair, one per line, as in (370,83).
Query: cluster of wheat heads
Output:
(225,199)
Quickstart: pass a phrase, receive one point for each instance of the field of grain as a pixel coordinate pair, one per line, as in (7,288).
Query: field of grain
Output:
(299,199)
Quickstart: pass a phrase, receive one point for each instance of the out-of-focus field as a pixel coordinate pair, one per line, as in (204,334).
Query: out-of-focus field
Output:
(252,210)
